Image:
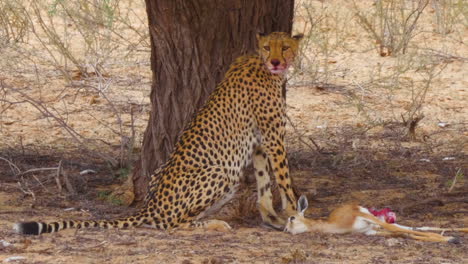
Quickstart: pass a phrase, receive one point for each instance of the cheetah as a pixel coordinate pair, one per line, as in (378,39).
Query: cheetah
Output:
(242,121)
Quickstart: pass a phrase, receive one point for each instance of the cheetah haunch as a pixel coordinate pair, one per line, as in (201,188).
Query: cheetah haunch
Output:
(243,120)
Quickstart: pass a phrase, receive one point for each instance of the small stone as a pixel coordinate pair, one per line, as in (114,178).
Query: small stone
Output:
(391,242)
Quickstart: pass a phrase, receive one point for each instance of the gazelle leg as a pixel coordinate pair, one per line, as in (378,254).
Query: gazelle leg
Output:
(389,234)
(426,236)
(427,228)
(435,238)
(430,237)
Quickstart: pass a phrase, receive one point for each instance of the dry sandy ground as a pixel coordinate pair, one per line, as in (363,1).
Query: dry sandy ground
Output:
(362,155)
(249,242)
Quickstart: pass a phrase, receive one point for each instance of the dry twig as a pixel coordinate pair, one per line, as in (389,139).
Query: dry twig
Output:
(13,167)
(50,112)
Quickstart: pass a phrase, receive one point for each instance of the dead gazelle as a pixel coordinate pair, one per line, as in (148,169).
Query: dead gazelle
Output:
(352,218)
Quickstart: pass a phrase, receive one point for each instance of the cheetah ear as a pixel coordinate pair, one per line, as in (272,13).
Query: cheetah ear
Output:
(260,34)
(298,36)
(302,205)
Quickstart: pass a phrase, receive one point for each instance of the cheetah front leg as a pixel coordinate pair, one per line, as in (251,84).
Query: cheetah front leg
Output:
(265,198)
(273,131)
(280,167)
(273,146)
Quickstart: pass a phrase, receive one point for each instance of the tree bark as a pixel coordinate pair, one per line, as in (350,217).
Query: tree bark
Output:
(193,42)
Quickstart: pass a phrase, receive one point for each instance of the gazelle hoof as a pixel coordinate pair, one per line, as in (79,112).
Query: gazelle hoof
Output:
(454,240)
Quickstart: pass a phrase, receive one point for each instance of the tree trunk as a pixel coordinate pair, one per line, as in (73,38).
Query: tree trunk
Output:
(193,42)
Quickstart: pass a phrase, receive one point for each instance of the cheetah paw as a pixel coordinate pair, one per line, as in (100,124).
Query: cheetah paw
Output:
(217,225)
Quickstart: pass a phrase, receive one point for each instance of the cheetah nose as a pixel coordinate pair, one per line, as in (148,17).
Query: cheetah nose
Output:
(275,62)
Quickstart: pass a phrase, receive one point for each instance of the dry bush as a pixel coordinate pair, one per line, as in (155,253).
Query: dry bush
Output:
(390,99)
(79,38)
(448,13)
(71,50)
(325,30)
(14,25)
(93,147)
(391,24)
(416,73)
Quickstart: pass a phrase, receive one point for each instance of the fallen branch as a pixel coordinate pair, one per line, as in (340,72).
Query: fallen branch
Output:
(57,177)
(455,179)
(12,166)
(28,191)
(36,170)
(68,184)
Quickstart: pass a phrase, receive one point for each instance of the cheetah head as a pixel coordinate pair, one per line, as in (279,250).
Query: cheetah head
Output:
(278,50)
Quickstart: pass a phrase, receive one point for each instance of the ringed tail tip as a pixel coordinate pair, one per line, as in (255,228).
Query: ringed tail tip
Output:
(27,228)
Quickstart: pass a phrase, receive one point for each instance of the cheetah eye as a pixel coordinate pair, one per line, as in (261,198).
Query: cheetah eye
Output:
(267,48)
(285,48)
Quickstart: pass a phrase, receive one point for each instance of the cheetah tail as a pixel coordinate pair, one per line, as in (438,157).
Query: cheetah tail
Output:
(37,228)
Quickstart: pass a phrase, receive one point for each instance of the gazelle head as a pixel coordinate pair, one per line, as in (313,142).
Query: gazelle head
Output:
(297,223)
